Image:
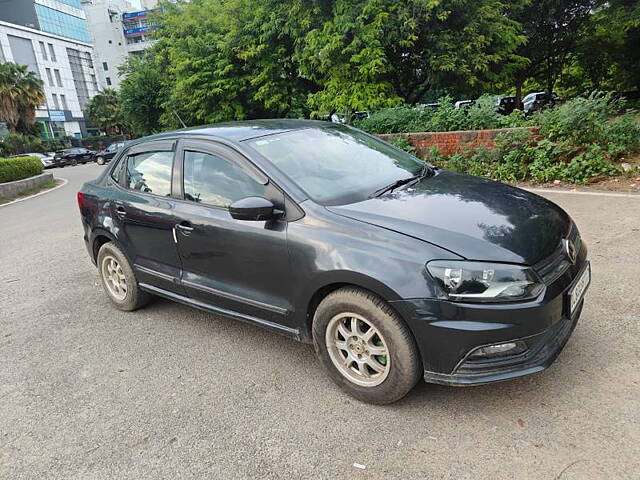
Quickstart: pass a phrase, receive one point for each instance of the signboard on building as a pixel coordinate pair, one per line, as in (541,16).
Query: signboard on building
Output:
(56,116)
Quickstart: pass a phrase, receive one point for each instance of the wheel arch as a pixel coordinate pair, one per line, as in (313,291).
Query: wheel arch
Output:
(333,281)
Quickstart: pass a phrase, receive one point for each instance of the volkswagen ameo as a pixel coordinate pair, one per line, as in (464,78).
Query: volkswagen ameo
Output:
(394,269)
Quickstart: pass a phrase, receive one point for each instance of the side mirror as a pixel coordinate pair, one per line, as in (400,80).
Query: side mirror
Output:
(253,209)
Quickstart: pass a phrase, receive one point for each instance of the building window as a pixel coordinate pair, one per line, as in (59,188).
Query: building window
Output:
(52,52)
(63,24)
(108,81)
(58,78)
(50,77)
(56,105)
(43,50)
(105,67)
(63,99)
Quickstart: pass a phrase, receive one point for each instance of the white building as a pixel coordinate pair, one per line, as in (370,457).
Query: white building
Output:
(104,18)
(67,69)
(117,31)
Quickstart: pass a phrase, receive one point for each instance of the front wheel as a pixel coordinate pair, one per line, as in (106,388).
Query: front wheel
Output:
(365,346)
(100,161)
(74,162)
(118,279)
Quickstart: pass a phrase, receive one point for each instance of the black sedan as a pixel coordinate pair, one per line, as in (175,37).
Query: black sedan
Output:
(105,156)
(73,156)
(395,270)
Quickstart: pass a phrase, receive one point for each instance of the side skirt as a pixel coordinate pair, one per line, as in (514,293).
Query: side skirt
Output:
(274,327)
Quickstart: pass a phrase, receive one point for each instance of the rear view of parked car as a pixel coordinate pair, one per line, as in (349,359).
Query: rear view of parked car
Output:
(72,156)
(536,101)
(105,156)
(393,269)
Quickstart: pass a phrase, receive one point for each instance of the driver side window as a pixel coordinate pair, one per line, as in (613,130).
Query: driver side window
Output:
(212,180)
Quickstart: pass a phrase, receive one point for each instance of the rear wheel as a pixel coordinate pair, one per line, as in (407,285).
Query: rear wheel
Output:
(118,279)
(74,162)
(100,160)
(365,346)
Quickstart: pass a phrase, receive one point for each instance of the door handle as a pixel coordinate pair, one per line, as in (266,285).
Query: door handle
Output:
(121,211)
(185,227)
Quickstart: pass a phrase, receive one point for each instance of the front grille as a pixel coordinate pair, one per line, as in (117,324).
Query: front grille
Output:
(552,267)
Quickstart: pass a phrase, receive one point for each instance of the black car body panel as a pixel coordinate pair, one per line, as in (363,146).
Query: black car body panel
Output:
(72,156)
(273,273)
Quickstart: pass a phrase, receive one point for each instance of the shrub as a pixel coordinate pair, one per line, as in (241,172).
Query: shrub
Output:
(17,168)
(15,144)
(395,120)
(403,144)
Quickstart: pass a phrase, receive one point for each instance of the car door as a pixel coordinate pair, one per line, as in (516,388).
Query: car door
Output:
(238,266)
(145,213)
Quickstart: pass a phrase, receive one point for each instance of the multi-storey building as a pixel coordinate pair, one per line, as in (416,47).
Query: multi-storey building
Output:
(117,31)
(51,37)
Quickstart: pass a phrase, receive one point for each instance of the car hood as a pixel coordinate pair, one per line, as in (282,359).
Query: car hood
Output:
(475,218)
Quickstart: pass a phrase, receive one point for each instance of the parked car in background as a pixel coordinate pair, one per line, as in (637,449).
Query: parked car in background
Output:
(506,104)
(463,104)
(536,101)
(45,158)
(394,269)
(339,118)
(105,156)
(73,156)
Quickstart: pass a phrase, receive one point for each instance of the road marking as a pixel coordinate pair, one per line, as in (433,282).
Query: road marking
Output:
(571,192)
(64,182)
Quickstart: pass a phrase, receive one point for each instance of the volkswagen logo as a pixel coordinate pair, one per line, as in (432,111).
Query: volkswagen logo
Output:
(570,250)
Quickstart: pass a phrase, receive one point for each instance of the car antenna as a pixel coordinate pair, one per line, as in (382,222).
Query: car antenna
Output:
(176,114)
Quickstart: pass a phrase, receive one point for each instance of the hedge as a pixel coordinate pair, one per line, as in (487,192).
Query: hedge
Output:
(17,168)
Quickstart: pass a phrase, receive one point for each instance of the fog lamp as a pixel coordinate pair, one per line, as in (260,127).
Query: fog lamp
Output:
(498,350)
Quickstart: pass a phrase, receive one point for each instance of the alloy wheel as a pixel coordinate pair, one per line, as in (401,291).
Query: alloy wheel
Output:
(114,278)
(357,349)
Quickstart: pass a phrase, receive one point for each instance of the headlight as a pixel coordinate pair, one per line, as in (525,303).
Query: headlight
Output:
(484,282)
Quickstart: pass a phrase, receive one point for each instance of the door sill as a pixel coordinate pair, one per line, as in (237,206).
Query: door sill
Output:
(290,332)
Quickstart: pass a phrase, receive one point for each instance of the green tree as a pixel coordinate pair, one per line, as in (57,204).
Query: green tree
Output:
(21,91)
(105,112)
(607,56)
(552,28)
(141,93)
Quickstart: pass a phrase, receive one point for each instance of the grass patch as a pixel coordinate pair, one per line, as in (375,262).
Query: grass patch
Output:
(32,191)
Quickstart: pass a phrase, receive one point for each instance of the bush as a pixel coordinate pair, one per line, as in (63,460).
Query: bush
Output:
(403,144)
(15,144)
(444,118)
(17,168)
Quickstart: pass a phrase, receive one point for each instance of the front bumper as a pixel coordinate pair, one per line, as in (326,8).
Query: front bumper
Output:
(447,332)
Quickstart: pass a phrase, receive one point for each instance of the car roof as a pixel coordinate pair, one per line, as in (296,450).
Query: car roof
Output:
(244,130)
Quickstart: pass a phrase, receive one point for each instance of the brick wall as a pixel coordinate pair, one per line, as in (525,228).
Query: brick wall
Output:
(451,142)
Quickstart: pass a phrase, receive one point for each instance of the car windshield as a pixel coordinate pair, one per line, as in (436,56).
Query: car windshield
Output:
(337,165)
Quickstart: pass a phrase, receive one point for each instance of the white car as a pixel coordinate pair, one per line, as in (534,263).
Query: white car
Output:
(46,159)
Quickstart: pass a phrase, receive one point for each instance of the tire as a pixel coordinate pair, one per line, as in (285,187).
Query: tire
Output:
(100,160)
(112,263)
(333,324)
(74,162)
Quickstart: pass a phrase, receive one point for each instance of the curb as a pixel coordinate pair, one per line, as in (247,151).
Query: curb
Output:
(578,192)
(64,182)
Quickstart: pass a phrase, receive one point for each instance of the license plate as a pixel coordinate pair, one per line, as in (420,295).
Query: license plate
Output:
(579,288)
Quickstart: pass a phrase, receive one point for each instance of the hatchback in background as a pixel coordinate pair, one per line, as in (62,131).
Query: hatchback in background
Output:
(395,270)
(105,156)
(46,160)
(72,156)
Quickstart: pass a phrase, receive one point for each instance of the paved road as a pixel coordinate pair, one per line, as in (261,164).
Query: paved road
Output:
(89,392)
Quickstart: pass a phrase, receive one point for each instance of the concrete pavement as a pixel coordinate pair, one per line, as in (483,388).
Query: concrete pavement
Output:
(87,391)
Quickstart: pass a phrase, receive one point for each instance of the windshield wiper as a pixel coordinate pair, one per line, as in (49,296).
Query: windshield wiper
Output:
(427,170)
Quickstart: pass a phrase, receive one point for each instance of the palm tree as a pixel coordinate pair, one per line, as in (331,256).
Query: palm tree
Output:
(21,91)
(105,112)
